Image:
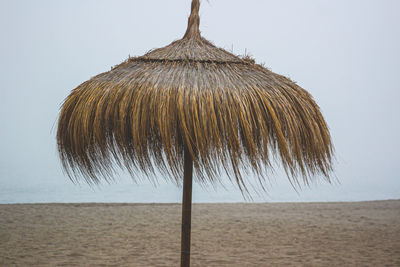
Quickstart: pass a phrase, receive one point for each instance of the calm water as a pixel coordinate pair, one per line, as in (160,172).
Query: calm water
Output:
(124,190)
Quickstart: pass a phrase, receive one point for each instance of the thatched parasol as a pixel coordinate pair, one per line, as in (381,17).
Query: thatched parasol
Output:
(191,104)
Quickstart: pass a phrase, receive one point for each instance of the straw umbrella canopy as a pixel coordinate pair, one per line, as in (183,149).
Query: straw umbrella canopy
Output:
(191,106)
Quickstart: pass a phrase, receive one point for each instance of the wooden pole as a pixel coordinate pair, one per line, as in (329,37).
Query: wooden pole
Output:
(191,32)
(186,209)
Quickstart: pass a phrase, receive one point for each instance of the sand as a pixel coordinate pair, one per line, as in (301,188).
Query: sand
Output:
(275,234)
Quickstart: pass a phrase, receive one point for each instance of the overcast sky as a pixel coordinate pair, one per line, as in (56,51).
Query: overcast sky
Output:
(345,53)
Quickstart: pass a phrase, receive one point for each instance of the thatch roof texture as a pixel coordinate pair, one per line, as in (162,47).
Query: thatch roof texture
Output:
(232,115)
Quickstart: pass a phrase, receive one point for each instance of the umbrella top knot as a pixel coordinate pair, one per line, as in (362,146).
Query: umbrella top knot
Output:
(192,47)
(193,22)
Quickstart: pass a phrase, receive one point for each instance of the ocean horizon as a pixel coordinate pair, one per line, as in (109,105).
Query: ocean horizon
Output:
(126,191)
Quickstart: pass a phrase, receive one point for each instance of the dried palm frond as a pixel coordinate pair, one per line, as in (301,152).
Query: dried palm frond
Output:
(229,112)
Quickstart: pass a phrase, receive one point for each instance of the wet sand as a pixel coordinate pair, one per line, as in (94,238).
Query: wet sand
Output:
(273,234)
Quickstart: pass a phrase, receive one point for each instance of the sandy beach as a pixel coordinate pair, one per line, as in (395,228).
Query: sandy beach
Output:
(271,234)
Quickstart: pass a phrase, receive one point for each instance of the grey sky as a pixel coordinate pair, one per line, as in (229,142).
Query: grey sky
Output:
(345,53)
